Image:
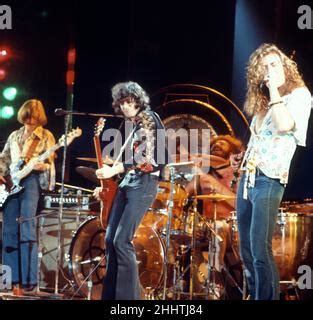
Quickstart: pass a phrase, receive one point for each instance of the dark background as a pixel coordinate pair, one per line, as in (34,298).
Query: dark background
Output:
(156,43)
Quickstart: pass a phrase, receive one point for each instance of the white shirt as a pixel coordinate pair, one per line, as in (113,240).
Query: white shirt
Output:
(272,151)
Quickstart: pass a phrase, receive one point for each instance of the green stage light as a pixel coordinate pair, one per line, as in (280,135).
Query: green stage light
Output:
(10,93)
(6,112)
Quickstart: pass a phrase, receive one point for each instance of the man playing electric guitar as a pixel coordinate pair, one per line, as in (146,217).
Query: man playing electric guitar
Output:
(135,193)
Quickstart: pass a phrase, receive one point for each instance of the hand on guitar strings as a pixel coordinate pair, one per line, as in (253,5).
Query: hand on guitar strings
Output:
(107,172)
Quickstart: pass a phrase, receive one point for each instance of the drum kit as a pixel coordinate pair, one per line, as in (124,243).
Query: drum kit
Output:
(179,252)
(184,255)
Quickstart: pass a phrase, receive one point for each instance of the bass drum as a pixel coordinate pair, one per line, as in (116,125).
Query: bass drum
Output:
(150,252)
(87,253)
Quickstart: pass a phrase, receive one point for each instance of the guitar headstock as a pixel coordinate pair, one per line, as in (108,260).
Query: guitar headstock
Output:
(99,126)
(74,133)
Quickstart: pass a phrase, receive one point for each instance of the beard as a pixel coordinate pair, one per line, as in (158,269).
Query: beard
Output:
(216,151)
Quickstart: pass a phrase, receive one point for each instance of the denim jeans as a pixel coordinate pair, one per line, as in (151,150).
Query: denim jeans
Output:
(20,240)
(134,197)
(256,222)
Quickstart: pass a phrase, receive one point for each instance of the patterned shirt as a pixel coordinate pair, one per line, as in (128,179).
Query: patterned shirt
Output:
(272,151)
(143,149)
(13,151)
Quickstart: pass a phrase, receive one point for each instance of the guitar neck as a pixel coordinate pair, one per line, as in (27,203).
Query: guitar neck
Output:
(48,152)
(30,166)
(96,142)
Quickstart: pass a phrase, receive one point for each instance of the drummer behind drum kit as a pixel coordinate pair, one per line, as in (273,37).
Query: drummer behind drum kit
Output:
(182,254)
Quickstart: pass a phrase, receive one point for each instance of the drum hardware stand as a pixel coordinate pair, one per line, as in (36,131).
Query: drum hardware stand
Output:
(171,167)
(79,204)
(178,275)
(294,285)
(88,278)
(233,280)
(194,220)
(212,250)
(150,293)
(89,285)
(168,229)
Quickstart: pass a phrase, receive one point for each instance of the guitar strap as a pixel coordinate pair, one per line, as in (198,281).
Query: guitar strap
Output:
(31,149)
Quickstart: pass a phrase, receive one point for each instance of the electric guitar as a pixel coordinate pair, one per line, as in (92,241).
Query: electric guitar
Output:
(108,186)
(21,170)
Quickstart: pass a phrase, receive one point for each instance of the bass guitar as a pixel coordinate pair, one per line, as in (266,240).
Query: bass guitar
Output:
(21,170)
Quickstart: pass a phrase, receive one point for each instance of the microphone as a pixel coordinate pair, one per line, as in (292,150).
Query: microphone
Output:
(264,89)
(60,112)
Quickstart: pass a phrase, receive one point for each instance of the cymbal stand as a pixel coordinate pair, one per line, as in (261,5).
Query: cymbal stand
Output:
(194,220)
(168,229)
(212,256)
(182,266)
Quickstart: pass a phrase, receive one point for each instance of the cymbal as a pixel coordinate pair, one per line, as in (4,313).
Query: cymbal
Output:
(88,173)
(207,159)
(214,196)
(87,159)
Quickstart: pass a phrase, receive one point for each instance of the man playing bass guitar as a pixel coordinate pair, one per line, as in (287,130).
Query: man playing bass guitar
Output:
(20,244)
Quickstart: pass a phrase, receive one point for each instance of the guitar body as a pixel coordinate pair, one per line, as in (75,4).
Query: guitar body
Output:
(11,186)
(107,196)
(108,186)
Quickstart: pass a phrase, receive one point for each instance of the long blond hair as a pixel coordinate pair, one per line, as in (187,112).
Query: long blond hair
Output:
(256,100)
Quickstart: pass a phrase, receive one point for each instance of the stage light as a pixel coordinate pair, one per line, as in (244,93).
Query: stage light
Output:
(3,53)
(6,112)
(10,93)
(2,74)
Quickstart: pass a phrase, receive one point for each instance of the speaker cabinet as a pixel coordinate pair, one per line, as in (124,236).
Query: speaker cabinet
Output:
(48,227)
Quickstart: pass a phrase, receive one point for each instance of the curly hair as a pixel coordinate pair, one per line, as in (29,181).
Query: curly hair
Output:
(129,89)
(256,99)
(235,144)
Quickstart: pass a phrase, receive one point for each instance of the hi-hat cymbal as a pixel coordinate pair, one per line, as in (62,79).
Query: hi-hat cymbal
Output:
(214,196)
(87,159)
(88,173)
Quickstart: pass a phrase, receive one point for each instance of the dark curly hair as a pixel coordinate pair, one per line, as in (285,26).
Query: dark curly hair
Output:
(129,89)
(235,144)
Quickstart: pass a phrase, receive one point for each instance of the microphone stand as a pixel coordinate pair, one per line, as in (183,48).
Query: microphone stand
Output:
(60,218)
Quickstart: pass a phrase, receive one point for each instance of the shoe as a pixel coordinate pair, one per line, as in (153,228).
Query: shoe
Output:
(17,291)
(30,289)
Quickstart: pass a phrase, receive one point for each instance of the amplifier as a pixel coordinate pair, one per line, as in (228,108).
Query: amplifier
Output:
(51,201)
